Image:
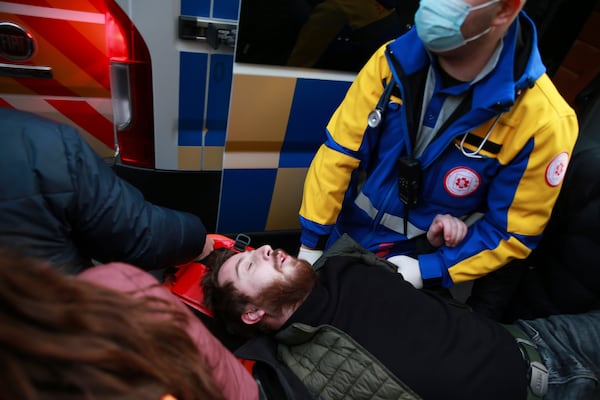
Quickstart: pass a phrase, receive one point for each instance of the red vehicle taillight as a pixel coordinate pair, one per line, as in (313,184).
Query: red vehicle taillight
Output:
(131,89)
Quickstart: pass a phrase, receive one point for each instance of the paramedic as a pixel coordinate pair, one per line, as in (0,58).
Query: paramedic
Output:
(61,202)
(355,303)
(111,332)
(456,116)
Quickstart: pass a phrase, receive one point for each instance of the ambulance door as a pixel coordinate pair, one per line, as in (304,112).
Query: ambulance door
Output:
(190,45)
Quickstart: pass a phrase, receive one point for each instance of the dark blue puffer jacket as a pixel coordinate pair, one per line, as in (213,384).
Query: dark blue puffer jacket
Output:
(61,202)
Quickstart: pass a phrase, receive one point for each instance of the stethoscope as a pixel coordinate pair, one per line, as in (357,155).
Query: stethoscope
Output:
(376,115)
(475,154)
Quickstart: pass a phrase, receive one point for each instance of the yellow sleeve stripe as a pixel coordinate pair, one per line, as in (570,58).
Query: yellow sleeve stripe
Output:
(348,124)
(487,261)
(554,130)
(324,192)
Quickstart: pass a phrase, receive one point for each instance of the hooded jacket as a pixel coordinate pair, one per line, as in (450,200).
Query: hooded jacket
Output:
(514,119)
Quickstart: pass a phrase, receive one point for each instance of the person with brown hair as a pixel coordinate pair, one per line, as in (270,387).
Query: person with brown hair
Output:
(113,332)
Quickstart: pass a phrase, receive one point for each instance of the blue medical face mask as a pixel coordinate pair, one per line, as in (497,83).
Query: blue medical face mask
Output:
(438,23)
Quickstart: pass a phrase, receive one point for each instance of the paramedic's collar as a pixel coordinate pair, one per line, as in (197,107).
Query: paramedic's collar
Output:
(460,88)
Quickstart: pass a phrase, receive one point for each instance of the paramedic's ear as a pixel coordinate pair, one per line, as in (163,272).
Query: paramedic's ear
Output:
(508,12)
(252,315)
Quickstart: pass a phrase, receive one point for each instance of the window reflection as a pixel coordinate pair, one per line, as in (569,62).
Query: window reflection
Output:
(324,34)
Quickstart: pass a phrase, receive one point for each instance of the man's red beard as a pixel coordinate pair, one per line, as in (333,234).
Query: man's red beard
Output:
(291,289)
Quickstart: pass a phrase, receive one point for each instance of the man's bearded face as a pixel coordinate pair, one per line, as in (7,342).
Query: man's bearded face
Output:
(271,278)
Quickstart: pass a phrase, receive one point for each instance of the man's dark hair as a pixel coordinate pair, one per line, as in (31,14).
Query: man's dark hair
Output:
(226,302)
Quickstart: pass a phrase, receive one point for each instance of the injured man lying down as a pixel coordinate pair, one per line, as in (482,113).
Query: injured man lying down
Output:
(351,327)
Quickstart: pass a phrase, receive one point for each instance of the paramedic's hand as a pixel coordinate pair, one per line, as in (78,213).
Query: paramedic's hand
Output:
(209,246)
(409,268)
(310,255)
(446,230)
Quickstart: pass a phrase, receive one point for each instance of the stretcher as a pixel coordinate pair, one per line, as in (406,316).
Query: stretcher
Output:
(185,282)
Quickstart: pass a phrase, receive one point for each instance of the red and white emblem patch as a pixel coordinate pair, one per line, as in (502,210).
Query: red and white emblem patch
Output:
(556,170)
(461,181)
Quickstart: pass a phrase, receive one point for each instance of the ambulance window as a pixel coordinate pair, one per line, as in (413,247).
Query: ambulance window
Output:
(323,34)
(343,34)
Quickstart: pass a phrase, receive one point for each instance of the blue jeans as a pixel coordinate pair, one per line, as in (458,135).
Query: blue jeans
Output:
(569,346)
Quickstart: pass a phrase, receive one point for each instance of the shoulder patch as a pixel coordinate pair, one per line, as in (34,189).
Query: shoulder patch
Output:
(461,181)
(556,169)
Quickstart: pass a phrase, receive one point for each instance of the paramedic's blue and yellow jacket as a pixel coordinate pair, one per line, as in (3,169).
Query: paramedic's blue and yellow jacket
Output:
(351,186)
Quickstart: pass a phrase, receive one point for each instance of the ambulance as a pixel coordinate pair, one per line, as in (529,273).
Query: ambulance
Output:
(195,101)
